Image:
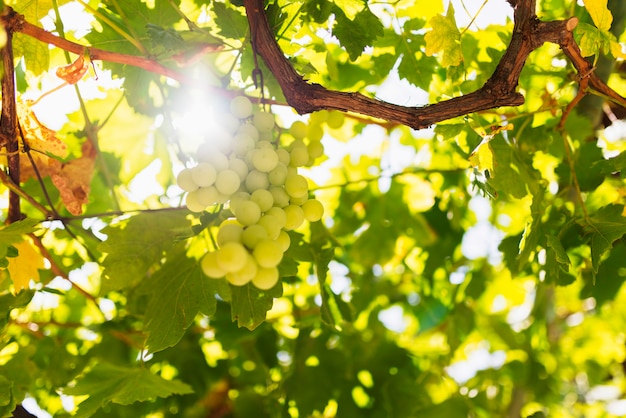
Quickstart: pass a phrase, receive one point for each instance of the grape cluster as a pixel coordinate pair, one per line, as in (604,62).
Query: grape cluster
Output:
(247,170)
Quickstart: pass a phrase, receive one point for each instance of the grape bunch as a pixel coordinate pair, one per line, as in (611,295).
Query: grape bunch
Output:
(246,169)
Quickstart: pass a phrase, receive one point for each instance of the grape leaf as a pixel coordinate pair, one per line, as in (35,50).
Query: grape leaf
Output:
(122,385)
(249,304)
(231,23)
(605,227)
(133,246)
(354,35)
(15,232)
(445,38)
(600,14)
(180,291)
(25,266)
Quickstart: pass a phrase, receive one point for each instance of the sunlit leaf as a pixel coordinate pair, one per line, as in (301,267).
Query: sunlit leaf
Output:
(445,38)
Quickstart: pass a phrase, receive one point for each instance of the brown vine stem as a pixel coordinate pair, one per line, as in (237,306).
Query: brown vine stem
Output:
(529,33)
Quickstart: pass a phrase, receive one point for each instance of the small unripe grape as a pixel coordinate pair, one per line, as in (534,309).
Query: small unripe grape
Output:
(192,202)
(257,180)
(227,182)
(278,175)
(271,225)
(264,159)
(298,157)
(266,278)
(298,129)
(263,198)
(252,235)
(284,240)
(313,210)
(207,196)
(281,198)
(335,120)
(247,273)
(185,181)
(264,121)
(283,155)
(268,253)
(231,257)
(248,213)
(204,174)
(241,107)
(229,232)
(249,129)
(316,149)
(240,167)
(296,186)
(279,214)
(209,266)
(295,217)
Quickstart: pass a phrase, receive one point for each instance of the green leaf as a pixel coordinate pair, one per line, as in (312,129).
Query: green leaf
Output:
(354,35)
(121,385)
(231,23)
(445,38)
(605,227)
(15,232)
(132,247)
(249,304)
(600,14)
(560,253)
(180,291)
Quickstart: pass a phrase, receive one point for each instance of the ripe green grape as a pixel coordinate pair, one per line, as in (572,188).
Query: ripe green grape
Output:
(278,175)
(283,240)
(252,235)
(245,274)
(208,196)
(264,159)
(298,129)
(227,182)
(266,278)
(231,257)
(313,210)
(185,181)
(237,198)
(315,133)
(335,120)
(271,225)
(249,129)
(257,180)
(281,198)
(263,121)
(192,202)
(296,186)
(248,213)
(204,174)
(229,232)
(240,167)
(299,157)
(268,253)
(241,107)
(263,198)
(316,150)
(210,267)
(283,156)
(279,214)
(243,143)
(295,217)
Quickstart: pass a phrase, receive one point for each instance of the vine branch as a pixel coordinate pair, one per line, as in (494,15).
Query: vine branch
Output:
(529,33)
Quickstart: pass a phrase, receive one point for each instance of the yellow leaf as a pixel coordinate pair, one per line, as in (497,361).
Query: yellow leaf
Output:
(72,73)
(445,38)
(482,156)
(25,266)
(600,14)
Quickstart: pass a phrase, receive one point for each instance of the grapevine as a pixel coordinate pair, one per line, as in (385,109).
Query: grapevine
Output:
(251,173)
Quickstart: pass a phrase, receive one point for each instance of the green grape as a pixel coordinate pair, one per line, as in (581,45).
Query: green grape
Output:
(263,121)
(207,196)
(299,157)
(266,278)
(298,129)
(249,129)
(313,210)
(262,144)
(263,198)
(247,272)
(271,225)
(209,266)
(283,156)
(241,107)
(217,159)
(264,159)
(229,123)
(279,214)
(204,174)
(240,167)
(252,235)
(317,118)
(335,120)
(295,217)
(229,232)
(284,240)
(298,201)
(192,202)
(237,198)
(268,253)
(185,181)
(257,180)
(278,175)
(248,213)
(281,198)
(243,143)
(315,133)
(296,186)
(227,182)
(231,257)
(316,150)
